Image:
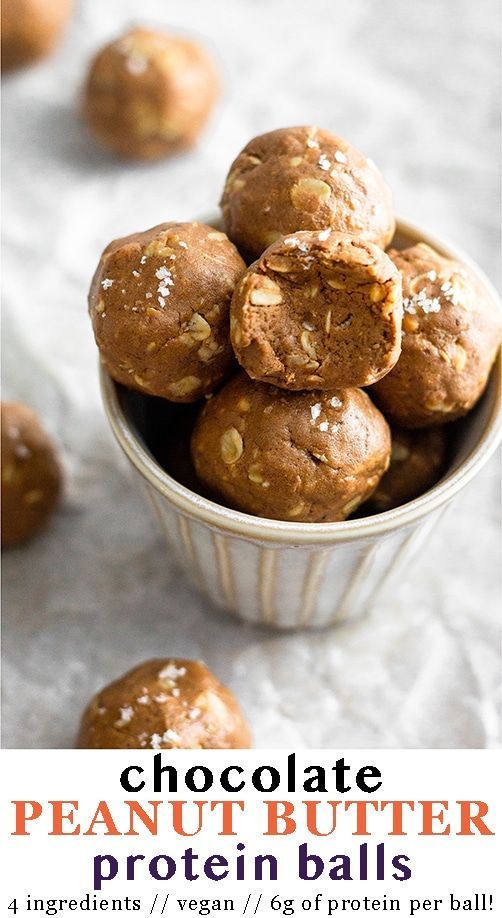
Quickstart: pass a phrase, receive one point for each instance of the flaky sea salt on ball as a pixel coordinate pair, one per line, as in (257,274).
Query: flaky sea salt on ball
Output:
(164,704)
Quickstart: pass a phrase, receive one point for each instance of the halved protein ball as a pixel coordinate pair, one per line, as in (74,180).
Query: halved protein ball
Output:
(304,178)
(159,304)
(164,704)
(318,311)
(451,335)
(416,464)
(303,457)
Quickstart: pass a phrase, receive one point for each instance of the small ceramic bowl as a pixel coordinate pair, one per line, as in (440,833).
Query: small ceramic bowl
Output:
(282,574)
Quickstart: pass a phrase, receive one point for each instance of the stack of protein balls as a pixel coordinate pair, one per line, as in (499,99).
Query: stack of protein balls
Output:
(321,312)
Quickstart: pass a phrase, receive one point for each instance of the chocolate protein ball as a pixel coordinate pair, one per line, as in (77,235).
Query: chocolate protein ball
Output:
(451,335)
(303,178)
(304,457)
(149,94)
(31,474)
(164,704)
(417,462)
(31,29)
(159,303)
(318,310)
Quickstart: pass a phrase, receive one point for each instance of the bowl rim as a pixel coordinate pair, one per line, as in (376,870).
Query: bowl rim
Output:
(281,531)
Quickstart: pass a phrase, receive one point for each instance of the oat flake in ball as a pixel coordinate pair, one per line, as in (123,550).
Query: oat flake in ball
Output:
(304,178)
(31,474)
(451,335)
(318,310)
(164,704)
(300,456)
(159,303)
(149,94)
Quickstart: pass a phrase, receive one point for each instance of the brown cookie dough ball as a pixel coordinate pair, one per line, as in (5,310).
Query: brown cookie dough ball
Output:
(159,303)
(31,29)
(31,474)
(451,335)
(303,178)
(149,94)
(416,463)
(164,704)
(318,311)
(303,457)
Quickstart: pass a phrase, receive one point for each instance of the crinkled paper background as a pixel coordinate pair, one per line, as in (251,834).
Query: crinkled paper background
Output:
(413,85)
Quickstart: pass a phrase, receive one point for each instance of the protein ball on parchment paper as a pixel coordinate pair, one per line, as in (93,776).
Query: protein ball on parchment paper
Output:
(451,335)
(31,474)
(417,462)
(164,704)
(149,94)
(304,178)
(159,304)
(318,310)
(31,29)
(298,456)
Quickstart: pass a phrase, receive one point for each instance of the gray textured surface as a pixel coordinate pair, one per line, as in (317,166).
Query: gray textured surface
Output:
(413,85)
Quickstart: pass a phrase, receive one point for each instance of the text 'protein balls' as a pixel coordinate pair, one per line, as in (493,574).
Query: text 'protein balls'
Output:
(31,474)
(451,335)
(304,178)
(416,463)
(159,304)
(164,704)
(149,94)
(303,457)
(318,310)
(31,29)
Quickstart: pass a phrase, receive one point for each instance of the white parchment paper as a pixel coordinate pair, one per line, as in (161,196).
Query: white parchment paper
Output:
(413,85)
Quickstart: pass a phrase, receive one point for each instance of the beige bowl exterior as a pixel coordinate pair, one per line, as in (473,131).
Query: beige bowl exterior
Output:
(293,575)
